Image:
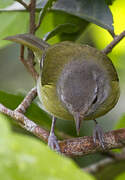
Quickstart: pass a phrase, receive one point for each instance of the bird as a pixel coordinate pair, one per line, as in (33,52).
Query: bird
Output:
(76,82)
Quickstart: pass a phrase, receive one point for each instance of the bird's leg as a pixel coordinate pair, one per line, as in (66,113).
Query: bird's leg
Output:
(98,133)
(52,140)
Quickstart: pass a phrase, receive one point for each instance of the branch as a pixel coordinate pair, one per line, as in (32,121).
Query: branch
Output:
(115,41)
(29,66)
(70,147)
(29,63)
(85,145)
(24,122)
(24,4)
(32,9)
(95,168)
(27,101)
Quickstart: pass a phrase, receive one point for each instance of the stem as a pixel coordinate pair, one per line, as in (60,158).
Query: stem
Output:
(32,16)
(115,41)
(26,123)
(23,3)
(27,101)
(29,66)
(31,29)
(29,63)
(95,168)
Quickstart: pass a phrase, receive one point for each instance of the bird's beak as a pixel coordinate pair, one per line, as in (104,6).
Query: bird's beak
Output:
(78,121)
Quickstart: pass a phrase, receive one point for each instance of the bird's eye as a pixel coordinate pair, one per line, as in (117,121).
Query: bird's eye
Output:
(95,100)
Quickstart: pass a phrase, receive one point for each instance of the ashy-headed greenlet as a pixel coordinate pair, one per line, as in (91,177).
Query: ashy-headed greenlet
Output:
(76,82)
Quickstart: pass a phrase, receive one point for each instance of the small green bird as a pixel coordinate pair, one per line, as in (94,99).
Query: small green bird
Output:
(76,82)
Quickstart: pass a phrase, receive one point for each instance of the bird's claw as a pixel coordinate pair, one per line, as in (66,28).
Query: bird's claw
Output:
(53,143)
(98,133)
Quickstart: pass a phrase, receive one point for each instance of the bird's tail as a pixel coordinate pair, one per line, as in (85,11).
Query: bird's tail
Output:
(34,43)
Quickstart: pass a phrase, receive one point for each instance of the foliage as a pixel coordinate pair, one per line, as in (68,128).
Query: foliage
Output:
(63,12)
(26,158)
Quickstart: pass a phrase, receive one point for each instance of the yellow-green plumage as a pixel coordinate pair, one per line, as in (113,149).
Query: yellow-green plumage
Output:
(56,58)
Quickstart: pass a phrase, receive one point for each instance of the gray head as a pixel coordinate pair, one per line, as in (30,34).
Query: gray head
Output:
(82,87)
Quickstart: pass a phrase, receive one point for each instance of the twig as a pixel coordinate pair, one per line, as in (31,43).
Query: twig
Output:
(24,122)
(29,66)
(112,33)
(24,4)
(27,101)
(32,8)
(109,154)
(29,63)
(115,41)
(70,147)
(94,168)
(99,165)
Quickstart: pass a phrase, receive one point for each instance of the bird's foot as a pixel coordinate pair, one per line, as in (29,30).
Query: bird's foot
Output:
(98,133)
(53,142)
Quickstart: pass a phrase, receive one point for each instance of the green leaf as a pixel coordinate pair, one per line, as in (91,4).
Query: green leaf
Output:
(34,113)
(60,18)
(11,24)
(94,11)
(56,19)
(63,28)
(48,4)
(5,3)
(120,123)
(26,158)
(120,177)
(77,13)
(63,24)
(109,2)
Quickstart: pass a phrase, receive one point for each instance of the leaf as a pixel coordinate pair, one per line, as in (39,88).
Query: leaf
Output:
(48,4)
(34,112)
(120,123)
(120,177)
(11,24)
(63,24)
(109,2)
(54,20)
(60,18)
(94,11)
(23,157)
(5,3)
(63,28)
